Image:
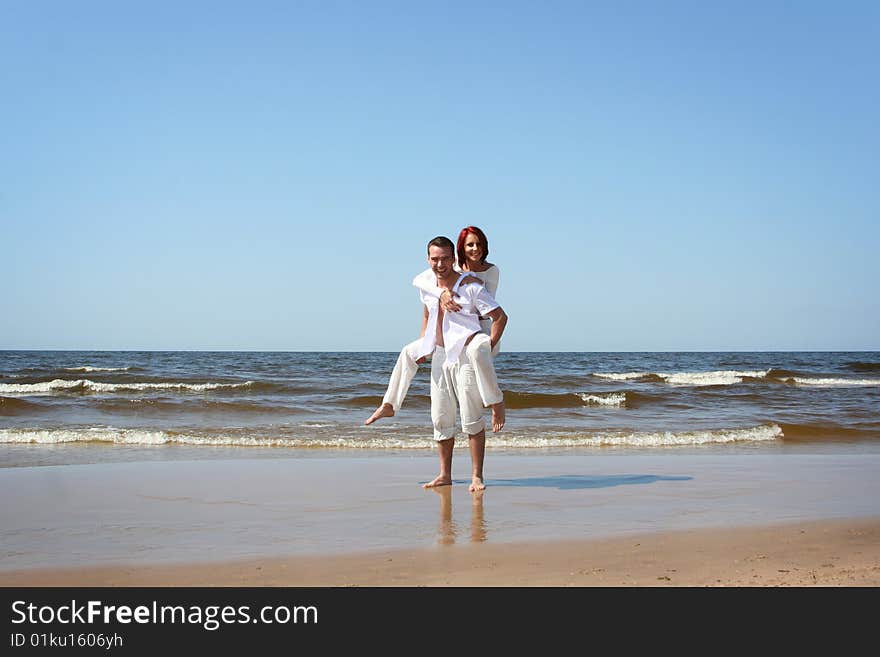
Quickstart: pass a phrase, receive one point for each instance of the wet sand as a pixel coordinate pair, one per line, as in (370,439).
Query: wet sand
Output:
(545,520)
(828,553)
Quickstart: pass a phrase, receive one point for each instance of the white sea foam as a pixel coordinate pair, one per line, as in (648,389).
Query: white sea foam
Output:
(97,434)
(61,385)
(89,368)
(621,376)
(38,388)
(716,378)
(833,382)
(145,437)
(731,377)
(609,399)
(521,441)
(644,439)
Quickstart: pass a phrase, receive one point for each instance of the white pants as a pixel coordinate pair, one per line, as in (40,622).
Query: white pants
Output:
(454,384)
(402,375)
(482,358)
(480,354)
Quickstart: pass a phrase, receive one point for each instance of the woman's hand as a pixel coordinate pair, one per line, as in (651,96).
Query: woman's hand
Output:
(446,302)
(470,278)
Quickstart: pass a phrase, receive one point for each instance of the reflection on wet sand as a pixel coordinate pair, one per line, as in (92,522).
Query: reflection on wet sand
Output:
(478,522)
(447,529)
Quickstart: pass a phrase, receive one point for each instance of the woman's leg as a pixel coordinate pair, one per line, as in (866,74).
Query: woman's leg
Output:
(479,353)
(398,385)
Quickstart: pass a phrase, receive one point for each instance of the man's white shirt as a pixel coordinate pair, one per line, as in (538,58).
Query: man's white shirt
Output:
(474,299)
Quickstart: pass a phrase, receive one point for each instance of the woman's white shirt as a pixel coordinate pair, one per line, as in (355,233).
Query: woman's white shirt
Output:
(427,280)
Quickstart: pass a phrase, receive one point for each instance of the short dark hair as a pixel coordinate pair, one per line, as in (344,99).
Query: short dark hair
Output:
(443,243)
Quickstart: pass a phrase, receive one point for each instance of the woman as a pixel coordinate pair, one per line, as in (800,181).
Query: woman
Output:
(472,249)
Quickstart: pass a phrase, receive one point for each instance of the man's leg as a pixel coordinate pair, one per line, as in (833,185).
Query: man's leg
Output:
(398,385)
(445,448)
(479,352)
(472,422)
(442,417)
(477,445)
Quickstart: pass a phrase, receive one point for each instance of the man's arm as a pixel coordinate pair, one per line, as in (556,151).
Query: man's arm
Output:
(499,321)
(422,334)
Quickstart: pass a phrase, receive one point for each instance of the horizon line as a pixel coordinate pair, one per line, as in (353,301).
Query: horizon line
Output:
(521,351)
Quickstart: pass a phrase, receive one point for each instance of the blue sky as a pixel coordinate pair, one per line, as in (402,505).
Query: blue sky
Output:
(265,175)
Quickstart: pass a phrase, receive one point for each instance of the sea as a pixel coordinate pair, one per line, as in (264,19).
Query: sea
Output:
(72,407)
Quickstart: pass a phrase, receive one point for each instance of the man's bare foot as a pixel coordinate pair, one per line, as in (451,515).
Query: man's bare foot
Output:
(385,410)
(476,485)
(497,417)
(439,480)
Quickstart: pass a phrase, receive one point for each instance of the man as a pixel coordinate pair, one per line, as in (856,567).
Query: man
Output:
(455,340)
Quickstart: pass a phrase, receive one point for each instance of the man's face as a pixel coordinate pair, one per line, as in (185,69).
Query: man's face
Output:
(440,259)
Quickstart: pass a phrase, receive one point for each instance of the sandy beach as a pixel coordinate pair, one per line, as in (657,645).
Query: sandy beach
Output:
(681,519)
(826,553)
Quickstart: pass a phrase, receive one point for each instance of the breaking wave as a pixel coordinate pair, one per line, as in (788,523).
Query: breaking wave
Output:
(13,406)
(715,378)
(862,366)
(523,400)
(733,377)
(316,438)
(85,385)
(827,382)
(89,368)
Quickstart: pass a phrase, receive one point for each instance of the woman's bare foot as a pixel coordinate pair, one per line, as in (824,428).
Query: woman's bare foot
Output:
(385,410)
(497,417)
(476,484)
(439,480)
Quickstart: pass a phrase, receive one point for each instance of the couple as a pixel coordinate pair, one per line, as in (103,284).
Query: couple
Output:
(458,308)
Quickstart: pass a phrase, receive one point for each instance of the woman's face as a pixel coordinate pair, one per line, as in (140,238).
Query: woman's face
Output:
(473,249)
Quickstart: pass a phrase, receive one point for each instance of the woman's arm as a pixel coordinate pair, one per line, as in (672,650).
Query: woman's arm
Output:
(499,322)
(490,279)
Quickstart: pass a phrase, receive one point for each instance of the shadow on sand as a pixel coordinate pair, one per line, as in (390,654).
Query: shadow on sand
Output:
(574,482)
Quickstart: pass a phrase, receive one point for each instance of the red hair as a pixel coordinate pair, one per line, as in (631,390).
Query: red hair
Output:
(462,238)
